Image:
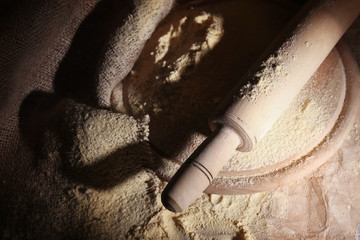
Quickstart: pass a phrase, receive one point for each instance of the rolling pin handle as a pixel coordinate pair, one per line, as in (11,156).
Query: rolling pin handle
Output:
(198,171)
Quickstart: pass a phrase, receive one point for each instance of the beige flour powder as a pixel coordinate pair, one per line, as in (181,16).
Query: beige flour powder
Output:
(105,190)
(306,122)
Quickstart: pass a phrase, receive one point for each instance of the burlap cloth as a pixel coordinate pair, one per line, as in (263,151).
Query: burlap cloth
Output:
(51,50)
(55,50)
(77,49)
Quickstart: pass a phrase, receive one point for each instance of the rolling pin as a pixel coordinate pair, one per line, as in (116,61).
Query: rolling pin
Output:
(250,110)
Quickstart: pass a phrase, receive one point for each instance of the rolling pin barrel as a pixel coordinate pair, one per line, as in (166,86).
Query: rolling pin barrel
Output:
(249,112)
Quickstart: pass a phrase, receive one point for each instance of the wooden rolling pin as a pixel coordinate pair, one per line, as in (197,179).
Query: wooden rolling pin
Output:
(251,110)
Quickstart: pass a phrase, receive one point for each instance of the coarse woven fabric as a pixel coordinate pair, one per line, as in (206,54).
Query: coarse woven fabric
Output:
(62,48)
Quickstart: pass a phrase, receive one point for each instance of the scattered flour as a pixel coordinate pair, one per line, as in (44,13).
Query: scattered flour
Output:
(270,75)
(206,219)
(304,124)
(107,192)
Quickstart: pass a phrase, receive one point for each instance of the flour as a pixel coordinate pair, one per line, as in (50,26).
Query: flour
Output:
(164,41)
(305,122)
(114,195)
(207,218)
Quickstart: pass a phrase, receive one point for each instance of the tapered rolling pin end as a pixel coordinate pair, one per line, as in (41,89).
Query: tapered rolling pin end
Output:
(195,175)
(169,203)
